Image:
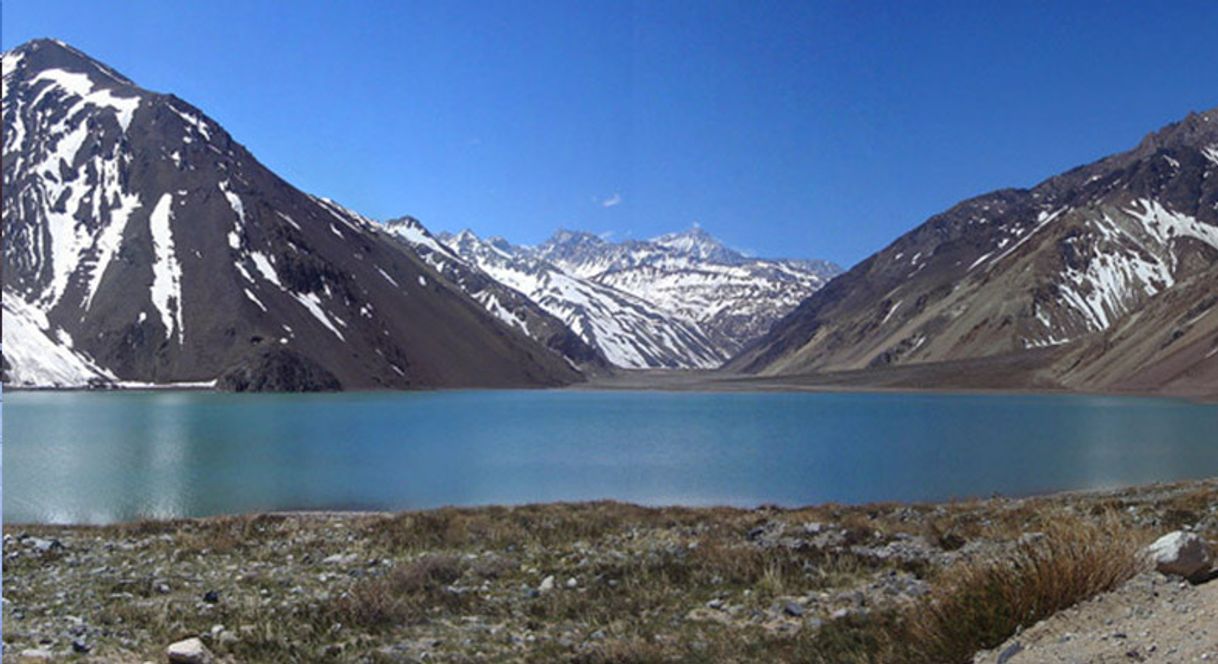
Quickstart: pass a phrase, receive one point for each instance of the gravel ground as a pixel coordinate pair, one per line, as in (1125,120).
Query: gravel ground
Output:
(1150,619)
(595,582)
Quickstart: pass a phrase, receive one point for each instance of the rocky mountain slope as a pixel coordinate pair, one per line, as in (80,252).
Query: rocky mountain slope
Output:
(731,297)
(143,244)
(629,331)
(682,300)
(1111,264)
(510,306)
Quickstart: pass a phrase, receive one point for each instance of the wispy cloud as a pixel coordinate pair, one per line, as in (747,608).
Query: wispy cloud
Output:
(615,199)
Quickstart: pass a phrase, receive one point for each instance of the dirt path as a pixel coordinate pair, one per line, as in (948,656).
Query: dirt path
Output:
(1150,619)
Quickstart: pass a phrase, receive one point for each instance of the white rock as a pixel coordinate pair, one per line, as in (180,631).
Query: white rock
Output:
(1182,554)
(571,582)
(547,584)
(188,651)
(35,655)
(340,559)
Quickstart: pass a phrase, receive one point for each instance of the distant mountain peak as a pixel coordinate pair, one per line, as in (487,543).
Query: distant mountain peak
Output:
(404,221)
(625,330)
(568,237)
(698,243)
(693,277)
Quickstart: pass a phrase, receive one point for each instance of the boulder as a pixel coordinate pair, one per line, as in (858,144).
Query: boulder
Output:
(188,651)
(1182,554)
(278,370)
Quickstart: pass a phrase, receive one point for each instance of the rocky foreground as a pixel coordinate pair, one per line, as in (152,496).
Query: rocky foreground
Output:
(612,582)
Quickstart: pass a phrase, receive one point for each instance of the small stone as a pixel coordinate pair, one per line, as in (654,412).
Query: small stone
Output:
(793,609)
(211,596)
(1009,652)
(716,604)
(571,582)
(340,559)
(1182,554)
(79,646)
(35,655)
(188,651)
(45,545)
(547,584)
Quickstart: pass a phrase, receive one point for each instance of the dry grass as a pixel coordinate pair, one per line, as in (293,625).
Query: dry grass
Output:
(644,580)
(979,604)
(403,595)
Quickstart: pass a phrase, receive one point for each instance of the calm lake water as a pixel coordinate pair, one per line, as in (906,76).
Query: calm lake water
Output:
(104,457)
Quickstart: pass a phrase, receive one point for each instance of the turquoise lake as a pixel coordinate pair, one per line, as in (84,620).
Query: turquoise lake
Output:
(100,457)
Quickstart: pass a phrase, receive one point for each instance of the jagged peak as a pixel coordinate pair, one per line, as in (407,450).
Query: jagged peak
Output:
(564,236)
(695,230)
(47,53)
(1195,130)
(698,243)
(500,242)
(404,221)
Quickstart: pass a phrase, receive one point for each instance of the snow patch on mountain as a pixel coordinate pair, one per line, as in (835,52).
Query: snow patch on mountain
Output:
(629,331)
(38,356)
(166,291)
(313,304)
(81,85)
(1165,225)
(109,239)
(693,277)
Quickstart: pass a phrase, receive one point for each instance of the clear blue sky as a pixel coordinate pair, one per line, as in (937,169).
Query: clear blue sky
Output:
(809,129)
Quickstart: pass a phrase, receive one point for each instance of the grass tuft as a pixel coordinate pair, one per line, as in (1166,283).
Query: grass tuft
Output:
(403,595)
(979,604)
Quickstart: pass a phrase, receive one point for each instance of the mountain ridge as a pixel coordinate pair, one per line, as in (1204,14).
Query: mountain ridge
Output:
(142,240)
(1064,262)
(707,298)
(694,277)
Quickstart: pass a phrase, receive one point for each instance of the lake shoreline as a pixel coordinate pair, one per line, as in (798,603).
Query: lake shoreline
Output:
(909,379)
(599,385)
(322,513)
(936,378)
(598,581)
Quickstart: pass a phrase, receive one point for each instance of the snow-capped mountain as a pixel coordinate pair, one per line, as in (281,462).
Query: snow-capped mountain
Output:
(1091,267)
(512,307)
(143,244)
(682,300)
(630,332)
(694,277)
